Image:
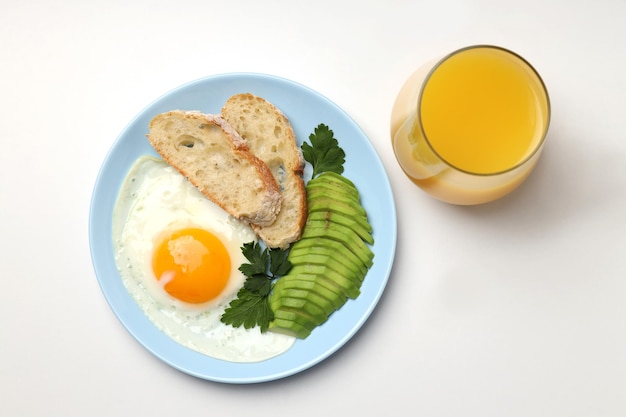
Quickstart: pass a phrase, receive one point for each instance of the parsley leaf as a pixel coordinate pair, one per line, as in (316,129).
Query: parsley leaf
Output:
(248,309)
(258,284)
(257,257)
(251,307)
(279,265)
(324,153)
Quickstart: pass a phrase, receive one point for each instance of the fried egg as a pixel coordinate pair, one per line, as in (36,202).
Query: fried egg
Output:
(178,255)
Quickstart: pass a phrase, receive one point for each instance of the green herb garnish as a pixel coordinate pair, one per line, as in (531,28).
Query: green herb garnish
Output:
(324,153)
(251,307)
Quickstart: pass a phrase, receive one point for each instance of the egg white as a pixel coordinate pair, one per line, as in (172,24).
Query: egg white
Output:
(154,199)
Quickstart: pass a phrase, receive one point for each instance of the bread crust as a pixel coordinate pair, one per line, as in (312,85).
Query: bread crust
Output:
(212,155)
(270,136)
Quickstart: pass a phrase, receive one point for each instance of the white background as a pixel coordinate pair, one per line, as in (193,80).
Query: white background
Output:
(515,308)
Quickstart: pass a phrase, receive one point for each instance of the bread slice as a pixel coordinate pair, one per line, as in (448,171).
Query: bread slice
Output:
(270,137)
(213,156)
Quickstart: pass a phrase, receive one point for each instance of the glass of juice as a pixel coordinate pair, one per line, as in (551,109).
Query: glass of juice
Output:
(468,128)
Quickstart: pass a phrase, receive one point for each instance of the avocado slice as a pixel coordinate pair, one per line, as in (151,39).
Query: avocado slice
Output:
(351,286)
(298,316)
(286,297)
(331,188)
(333,176)
(318,284)
(319,219)
(328,247)
(318,312)
(358,223)
(318,201)
(332,263)
(289,327)
(343,235)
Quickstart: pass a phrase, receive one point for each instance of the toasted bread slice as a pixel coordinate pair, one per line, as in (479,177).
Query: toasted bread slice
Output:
(213,156)
(270,137)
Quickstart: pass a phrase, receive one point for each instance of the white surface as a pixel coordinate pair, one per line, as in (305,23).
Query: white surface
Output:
(510,309)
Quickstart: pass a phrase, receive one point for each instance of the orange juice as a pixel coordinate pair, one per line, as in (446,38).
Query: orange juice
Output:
(469,128)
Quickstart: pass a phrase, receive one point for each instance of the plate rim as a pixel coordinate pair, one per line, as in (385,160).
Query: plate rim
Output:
(97,258)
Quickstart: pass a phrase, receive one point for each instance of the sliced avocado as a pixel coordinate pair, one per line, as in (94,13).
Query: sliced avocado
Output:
(320,305)
(323,219)
(298,316)
(318,201)
(332,190)
(328,272)
(322,285)
(315,259)
(319,284)
(355,266)
(351,286)
(335,179)
(328,209)
(335,189)
(329,247)
(344,235)
(333,176)
(307,305)
(353,222)
(330,260)
(289,327)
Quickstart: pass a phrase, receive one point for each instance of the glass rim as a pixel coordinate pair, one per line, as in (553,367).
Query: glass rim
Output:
(446,57)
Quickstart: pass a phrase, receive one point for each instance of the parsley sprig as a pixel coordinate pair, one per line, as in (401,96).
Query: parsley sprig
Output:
(251,307)
(324,153)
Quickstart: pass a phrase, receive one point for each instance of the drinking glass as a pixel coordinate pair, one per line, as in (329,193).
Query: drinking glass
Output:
(469,127)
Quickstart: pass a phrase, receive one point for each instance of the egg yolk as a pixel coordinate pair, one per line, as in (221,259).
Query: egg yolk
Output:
(192,265)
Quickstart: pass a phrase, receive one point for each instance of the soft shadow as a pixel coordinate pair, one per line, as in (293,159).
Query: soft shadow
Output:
(555,195)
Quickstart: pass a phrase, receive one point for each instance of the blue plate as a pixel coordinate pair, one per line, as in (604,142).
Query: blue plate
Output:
(305,109)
